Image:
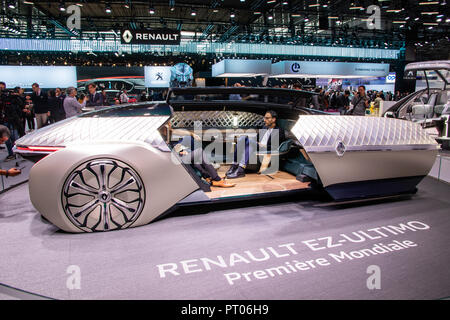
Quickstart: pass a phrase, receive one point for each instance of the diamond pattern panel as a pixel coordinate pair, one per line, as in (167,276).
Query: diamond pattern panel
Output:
(217,119)
(323,133)
(87,130)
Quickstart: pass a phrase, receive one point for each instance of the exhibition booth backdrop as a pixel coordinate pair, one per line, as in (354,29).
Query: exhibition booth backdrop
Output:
(138,78)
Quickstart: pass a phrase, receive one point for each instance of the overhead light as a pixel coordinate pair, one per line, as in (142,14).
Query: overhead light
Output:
(398,21)
(430,13)
(416,19)
(62,6)
(306,19)
(285,3)
(270,16)
(193,13)
(440,16)
(151,10)
(430,2)
(430,24)
(11,4)
(393,10)
(28,2)
(232,14)
(79,4)
(355,6)
(257,12)
(108,8)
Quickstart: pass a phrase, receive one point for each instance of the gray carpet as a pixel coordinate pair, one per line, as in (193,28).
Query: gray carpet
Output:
(34,255)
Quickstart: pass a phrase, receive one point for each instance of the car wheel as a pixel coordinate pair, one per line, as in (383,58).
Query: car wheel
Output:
(103,195)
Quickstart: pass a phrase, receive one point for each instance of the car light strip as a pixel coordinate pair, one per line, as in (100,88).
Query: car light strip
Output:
(38,148)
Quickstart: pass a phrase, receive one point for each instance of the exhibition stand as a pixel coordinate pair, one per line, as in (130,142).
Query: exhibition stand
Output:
(288,248)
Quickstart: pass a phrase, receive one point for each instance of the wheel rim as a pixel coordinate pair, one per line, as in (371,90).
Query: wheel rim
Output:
(103,195)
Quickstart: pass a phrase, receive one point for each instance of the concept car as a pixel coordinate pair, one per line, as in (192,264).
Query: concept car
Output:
(430,106)
(115,168)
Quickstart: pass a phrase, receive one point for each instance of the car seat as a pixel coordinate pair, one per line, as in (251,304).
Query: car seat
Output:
(424,111)
(441,102)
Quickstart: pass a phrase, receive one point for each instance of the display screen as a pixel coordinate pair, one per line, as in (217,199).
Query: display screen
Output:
(46,77)
(157,77)
(112,79)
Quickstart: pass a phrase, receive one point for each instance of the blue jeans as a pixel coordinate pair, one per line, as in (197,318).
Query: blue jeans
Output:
(9,145)
(10,142)
(244,148)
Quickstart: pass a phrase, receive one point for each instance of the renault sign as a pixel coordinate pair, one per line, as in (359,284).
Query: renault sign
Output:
(155,36)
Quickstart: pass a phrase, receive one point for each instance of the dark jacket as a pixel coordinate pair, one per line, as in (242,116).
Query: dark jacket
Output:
(53,105)
(342,101)
(40,102)
(13,107)
(95,100)
(277,133)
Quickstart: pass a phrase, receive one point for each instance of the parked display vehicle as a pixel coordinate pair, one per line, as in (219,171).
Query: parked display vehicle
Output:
(116,168)
(430,106)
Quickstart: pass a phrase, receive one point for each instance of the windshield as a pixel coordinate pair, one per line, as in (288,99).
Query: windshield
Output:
(434,80)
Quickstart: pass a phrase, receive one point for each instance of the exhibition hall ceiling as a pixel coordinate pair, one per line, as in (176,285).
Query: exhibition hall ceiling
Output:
(422,24)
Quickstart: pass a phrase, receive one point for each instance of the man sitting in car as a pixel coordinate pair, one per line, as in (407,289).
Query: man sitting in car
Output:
(245,147)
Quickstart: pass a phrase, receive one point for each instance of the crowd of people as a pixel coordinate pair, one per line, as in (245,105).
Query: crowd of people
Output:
(22,112)
(342,100)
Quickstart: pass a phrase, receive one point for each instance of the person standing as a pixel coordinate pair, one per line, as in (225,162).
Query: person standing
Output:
(124,97)
(377,101)
(59,114)
(94,98)
(360,102)
(343,102)
(105,98)
(15,111)
(71,106)
(3,99)
(52,106)
(40,106)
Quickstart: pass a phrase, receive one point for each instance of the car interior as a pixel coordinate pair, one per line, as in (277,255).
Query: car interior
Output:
(295,169)
(427,105)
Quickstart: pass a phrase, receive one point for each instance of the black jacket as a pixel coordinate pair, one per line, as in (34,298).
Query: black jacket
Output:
(40,102)
(277,133)
(95,100)
(342,101)
(53,105)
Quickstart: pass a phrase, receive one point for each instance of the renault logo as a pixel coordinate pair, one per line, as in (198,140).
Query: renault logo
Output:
(340,148)
(127,36)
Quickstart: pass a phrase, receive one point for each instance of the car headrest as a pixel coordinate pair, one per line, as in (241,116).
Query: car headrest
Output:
(442,98)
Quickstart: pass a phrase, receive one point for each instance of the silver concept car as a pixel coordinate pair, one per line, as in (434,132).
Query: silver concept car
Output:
(114,168)
(429,106)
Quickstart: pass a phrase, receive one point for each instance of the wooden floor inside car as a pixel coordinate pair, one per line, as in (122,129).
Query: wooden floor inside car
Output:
(254,183)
